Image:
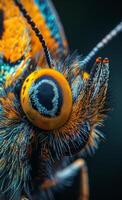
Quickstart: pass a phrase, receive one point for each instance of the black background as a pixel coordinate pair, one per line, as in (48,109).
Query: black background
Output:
(86,23)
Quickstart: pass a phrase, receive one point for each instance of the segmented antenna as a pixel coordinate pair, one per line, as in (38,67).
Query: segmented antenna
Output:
(102,43)
(36,30)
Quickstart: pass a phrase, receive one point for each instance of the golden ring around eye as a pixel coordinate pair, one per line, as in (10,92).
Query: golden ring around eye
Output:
(46,99)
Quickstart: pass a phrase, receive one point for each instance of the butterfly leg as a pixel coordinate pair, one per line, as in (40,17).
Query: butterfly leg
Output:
(68,175)
(65,179)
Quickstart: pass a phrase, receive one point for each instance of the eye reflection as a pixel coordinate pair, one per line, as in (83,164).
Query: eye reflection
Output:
(46,96)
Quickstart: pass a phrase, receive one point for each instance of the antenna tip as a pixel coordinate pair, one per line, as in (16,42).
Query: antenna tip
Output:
(98,60)
(106,60)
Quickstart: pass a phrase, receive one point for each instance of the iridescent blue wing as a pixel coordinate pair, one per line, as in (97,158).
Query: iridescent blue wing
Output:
(54,25)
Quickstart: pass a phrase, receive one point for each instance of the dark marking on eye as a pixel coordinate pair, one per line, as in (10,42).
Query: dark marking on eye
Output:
(24,89)
(1,23)
(27,80)
(23,99)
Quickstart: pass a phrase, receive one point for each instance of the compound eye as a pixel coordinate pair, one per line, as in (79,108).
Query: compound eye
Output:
(46,99)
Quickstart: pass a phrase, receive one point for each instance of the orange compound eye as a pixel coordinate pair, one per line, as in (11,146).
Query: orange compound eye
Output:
(46,99)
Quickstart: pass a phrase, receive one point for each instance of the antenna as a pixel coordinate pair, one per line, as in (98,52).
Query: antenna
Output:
(102,43)
(36,30)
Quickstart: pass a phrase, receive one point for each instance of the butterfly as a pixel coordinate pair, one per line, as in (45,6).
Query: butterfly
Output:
(50,106)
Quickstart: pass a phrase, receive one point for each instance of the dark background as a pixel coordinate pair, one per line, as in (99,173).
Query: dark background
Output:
(86,23)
